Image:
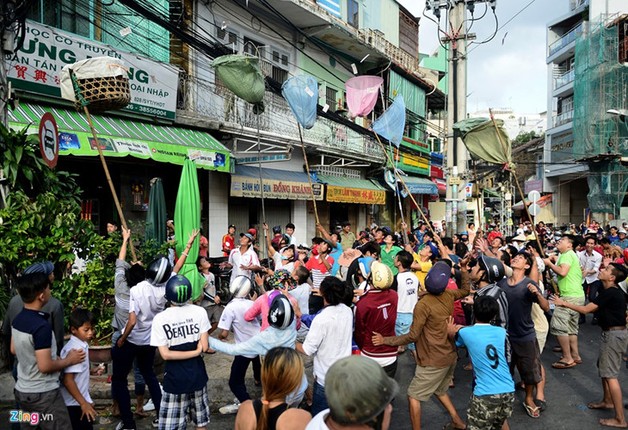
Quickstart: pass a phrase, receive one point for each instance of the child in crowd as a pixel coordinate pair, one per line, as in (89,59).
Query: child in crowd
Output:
(407,290)
(75,389)
(180,333)
(211,300)
(34,344)
(243,292)
(493,393)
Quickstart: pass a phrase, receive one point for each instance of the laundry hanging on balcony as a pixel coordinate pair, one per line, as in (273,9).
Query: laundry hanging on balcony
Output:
(362,93)
(242,75)
(392,123)
(301,93)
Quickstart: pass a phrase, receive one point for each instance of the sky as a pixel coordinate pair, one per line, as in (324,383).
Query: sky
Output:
(510,70)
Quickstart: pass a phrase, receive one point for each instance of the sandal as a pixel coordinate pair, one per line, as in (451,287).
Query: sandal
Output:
(563,365)
(542,404)
(533,412)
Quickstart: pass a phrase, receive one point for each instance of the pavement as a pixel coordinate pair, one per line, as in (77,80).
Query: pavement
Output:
(567,393)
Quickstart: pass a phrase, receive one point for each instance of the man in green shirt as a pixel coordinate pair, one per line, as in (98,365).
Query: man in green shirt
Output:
(564,324)
(347,237)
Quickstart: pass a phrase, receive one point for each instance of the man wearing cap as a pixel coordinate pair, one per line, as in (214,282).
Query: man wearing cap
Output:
(564,323)
(243,259)
(228,241)
(623,240)
(359,394)
(347,237)
(53,307)
(436,353)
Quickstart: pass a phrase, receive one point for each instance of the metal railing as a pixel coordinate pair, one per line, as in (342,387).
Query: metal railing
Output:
(567,38)
(564,79)
(208,101)
(563,118)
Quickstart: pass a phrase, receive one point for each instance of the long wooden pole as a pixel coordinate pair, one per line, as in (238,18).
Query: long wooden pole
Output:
(114,194)
(427,221)
(309,178)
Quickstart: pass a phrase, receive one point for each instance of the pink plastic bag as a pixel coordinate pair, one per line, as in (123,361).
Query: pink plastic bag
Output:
(362,93)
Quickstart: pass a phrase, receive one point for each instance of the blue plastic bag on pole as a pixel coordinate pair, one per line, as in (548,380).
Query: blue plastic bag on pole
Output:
(301,93)
(391,124)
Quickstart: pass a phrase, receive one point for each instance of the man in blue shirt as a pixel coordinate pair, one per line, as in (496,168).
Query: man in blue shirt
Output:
(493,393)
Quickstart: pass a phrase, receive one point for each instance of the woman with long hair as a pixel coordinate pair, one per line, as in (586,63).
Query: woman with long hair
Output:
(282,373)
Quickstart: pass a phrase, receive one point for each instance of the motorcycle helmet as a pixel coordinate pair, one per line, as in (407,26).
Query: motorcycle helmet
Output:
(159,270)
(280,314)
(492,267)
(241,287)
(178,289)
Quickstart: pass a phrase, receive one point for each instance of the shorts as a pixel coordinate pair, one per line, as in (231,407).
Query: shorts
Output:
(527,358)
(42,405)
(175,409)
(612,348)
(214,313)
(565,321)
(402,326)
(430,380)
(489,412)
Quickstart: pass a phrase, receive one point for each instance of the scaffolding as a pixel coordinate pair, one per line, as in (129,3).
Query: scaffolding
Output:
(601,137)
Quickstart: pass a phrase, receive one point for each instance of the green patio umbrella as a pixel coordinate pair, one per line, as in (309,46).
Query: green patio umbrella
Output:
(187,217)
(156,215)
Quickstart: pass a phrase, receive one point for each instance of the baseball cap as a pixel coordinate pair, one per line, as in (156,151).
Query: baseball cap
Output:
(358,390)
(252,231)
(249,235)
(437,278)
(231,226)
(45,267)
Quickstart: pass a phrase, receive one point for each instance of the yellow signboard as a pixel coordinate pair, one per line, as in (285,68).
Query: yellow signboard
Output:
(355,195)
(244,186)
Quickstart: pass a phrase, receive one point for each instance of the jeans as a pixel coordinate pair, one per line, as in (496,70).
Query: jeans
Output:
(122,363)
(238,371)
(140,385)
(319,401)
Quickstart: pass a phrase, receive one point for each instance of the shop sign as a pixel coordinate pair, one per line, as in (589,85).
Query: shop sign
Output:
(81,143)
(355,195)
(36,67)
(534,185)
(244,186)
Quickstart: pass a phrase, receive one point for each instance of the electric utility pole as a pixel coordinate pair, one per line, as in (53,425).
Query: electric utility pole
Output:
(456,37)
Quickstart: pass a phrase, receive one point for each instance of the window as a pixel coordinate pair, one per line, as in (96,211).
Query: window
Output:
(279,75)
(228,38)
(330,98)
(279,61)
(254,47)
(353,13)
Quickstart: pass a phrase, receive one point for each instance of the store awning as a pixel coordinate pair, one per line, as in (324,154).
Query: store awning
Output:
(122,137)
(441,184)
(278,184)
(418,185)
(353,190)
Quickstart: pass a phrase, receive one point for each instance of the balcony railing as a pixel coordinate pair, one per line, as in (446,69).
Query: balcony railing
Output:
(564,79)
(210,102)
(563,118)
(567,38)
(376,39)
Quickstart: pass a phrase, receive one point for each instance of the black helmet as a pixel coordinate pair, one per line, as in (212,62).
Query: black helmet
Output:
(159,270)
(178,289)
(280,314)
(493,268)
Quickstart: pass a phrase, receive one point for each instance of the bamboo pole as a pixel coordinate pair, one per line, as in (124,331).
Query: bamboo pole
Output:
(114,194)
(427,221)
(309,178)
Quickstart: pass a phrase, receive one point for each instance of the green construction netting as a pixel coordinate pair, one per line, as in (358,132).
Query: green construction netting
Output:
(600,85)
(608,182)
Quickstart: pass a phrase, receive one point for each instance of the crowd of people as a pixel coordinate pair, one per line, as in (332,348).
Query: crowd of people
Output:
(350,304)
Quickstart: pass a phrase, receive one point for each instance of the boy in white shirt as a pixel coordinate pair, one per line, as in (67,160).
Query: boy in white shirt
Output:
(180,333)
(233,319)
(407,290)
(75,388)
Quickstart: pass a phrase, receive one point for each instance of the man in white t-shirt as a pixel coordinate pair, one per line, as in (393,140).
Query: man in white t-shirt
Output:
(407,290)
(233,320)
(243,260)
(329,338)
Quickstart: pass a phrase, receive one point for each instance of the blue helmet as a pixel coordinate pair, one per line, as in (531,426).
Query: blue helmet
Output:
(178,289)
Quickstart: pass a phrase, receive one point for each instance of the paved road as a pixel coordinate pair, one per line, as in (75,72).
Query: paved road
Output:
(568,392)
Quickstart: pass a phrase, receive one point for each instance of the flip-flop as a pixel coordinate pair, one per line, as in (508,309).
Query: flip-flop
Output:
(578,361)
(533,412)
(563,365)
(542,404)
